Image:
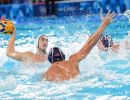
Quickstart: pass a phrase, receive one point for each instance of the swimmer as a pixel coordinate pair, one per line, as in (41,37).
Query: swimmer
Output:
(39,56)
(106,42)
(62,69)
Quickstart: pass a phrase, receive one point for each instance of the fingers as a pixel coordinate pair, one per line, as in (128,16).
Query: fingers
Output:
(110,16)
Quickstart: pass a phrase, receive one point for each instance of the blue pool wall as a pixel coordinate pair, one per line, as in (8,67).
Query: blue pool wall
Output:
(63,8)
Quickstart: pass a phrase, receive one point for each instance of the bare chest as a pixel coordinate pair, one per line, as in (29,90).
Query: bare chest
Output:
(35,59)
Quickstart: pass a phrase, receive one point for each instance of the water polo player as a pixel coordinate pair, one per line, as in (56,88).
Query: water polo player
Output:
(106,42)
(62,69)
(39,56)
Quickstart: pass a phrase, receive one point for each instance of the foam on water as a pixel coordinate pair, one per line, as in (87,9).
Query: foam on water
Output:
(10,83)
(127,14)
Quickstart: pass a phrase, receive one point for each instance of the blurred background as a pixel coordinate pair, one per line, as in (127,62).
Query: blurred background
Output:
(20,9)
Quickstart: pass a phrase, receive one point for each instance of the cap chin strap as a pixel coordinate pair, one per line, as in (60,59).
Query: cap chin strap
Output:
(43,51)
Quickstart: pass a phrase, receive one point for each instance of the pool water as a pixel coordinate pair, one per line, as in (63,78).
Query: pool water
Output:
(103,75)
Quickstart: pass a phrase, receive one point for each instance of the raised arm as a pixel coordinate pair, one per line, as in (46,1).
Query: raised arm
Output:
(93,39)
(10,52)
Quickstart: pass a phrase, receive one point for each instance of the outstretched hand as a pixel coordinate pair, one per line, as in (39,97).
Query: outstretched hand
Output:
(108,18)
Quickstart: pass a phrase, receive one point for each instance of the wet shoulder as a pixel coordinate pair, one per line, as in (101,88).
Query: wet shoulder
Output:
(65,64)
(28,53)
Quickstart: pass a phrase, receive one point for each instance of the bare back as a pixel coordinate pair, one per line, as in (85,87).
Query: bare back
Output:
(62,70)
(28,56)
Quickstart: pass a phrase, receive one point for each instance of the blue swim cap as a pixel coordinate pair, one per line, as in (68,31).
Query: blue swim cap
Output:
(106,40)
(55,54)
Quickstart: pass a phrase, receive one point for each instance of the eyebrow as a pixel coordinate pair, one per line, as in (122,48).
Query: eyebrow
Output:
(44,38)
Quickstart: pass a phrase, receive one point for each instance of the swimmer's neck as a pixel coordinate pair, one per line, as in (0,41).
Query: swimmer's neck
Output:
(41,53)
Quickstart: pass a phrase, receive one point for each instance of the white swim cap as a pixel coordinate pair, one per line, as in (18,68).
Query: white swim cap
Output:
(37,39)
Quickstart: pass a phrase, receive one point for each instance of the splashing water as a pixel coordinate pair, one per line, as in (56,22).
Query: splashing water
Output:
(103,75)
(10,83)
(127,14)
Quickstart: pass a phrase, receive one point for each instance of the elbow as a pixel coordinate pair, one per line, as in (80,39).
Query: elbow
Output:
(8,53)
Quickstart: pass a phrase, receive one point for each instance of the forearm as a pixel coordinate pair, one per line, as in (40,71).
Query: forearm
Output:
(91,42)
(10,46)
(96,36)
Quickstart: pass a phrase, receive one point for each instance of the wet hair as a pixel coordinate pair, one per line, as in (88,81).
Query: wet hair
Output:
(55,54)
(107,41)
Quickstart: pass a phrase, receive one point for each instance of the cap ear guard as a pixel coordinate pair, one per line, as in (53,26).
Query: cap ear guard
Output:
(55,55)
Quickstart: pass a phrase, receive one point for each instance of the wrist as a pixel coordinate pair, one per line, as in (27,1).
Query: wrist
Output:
(104,24)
